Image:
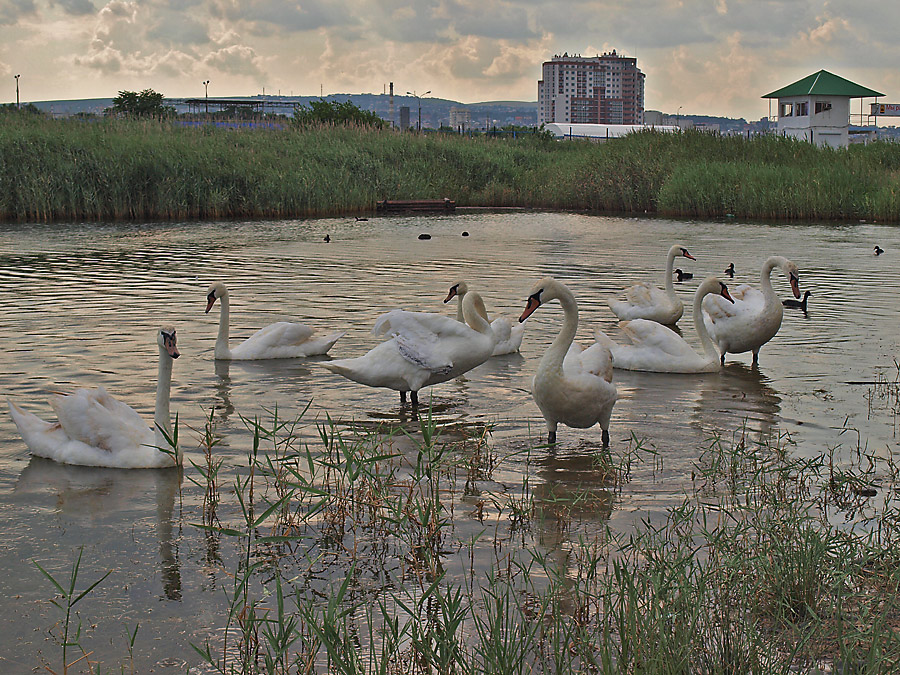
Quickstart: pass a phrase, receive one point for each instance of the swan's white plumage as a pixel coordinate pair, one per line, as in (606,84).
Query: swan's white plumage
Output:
(572,386)
(508,335)
(645,301)
(95,429)
(656,348)
(756,314)
(281,340)
(422,349)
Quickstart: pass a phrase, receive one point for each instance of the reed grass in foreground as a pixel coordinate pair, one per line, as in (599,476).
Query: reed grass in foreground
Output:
(395,551)
(58,170)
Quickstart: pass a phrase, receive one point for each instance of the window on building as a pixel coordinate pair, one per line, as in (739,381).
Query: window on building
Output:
(787,109)
(822,106)
(802,109)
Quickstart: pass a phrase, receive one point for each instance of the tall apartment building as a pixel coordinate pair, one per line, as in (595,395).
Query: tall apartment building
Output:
(607,89)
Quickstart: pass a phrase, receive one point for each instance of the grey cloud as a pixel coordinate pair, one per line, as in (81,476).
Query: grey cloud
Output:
(175,30)
(499,20)
(266,17)
(13,10)
(75,7)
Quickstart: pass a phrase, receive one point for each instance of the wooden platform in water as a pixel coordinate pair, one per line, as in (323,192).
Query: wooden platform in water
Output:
(445,204)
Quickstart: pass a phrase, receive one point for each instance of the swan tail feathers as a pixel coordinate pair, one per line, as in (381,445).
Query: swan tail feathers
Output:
(40,436)
(320,346)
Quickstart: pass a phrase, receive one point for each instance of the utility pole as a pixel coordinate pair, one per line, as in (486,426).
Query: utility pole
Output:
(419,103)
(17,92)
(206,88)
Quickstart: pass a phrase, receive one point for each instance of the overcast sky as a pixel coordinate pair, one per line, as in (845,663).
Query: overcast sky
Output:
(713,57)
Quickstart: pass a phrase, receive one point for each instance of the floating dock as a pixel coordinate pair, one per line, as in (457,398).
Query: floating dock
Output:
(445,204)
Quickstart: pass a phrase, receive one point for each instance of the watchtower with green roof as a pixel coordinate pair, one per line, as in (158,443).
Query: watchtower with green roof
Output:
(817,108)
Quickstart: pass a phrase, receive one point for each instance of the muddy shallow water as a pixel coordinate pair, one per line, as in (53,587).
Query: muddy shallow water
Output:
(81,304)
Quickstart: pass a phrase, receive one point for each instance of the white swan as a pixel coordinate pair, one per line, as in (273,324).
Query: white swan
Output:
(282,340)
(94,429)
(507,334)
(572,385)
(423,349)
(644,301)
(656,348)
(755,316)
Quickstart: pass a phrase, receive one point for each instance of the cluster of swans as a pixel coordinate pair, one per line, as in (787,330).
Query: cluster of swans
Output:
(736,321)
(572,385)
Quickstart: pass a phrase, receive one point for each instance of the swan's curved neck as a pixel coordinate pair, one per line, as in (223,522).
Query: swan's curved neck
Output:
(670,265)
(553,358)
(473,310)
(765,276)
(459,309)
(161,416)
(709,347)
(222,350)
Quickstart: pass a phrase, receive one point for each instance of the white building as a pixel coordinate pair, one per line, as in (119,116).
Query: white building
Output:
(817,108)
(460,118)
(607,89)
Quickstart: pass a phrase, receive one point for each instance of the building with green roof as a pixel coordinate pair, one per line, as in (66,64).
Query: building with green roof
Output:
(817,108)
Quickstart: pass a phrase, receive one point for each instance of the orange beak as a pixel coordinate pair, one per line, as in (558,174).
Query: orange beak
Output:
(533,304)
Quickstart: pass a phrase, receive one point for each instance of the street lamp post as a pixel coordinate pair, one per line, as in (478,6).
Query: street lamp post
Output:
(17,92)
(419,104)
(206,94)
(678,117)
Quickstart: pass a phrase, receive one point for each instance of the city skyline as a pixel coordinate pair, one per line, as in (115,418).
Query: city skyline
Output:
(714,58)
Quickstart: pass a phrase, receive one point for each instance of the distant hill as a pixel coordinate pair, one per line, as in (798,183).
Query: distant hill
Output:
(73,107)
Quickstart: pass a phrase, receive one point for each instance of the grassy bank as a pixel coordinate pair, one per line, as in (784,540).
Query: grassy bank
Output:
(57,170)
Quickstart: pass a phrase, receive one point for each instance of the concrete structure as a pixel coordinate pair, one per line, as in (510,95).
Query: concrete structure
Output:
(607,89)
(817,108)
(460,118)
(600,132)
(404,117)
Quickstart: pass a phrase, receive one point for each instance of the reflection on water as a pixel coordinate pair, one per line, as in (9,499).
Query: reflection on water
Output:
(87,496)
(81,303)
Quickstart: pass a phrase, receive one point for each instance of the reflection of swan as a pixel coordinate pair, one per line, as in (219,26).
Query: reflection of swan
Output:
(94,429)
(423,349)
(643,301)
(755,316)
(282,340)
(93,497)
(656,348)
(571,385)
(507,334)
(737,395)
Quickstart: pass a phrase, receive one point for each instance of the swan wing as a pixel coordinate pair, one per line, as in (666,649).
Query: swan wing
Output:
(656,339)
(97,419)
(644,301)
(438,326)
(278,334)
(595,361)
(643,295)
(425,352)
(508,335)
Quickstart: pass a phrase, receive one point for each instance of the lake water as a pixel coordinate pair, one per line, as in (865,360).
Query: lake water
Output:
(81,304)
